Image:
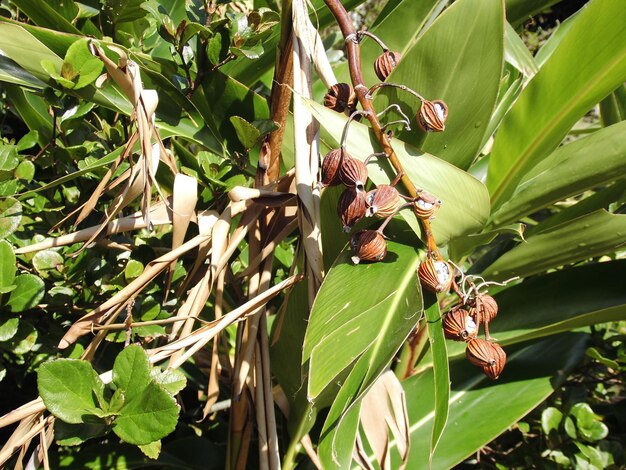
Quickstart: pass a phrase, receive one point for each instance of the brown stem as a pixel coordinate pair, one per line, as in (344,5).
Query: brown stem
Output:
(354,62)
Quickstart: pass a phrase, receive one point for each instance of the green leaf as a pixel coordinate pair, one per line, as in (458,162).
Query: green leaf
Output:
(28,293)
(151,450)
(32,109)
(7,264)
(147,416)
(25,171)
(476,401)
(11,72)
(8,157)
(69,388)
(551,419)
(8,328)
(125,10)
(86,67)
(613,107)
(518,11)
(47,14)
(441,372)
(24,340)
(133,269)
(10,216)
(463,246)
(131,371)
(593,353)
(47,260)
(586,163)
(458,59)
(588,236)
(558,95)
(345,305)
(465,200)
(66,434)
(516,53)
(588,423)
(248,134)
(171,380)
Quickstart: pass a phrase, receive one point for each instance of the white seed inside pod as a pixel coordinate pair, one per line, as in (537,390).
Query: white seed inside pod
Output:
(470,326)
(440,111)
(424,205)
(443,272)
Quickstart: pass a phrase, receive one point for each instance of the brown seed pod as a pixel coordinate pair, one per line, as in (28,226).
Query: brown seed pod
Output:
(432,116)
(351,207)
(382,201)
(435,275)
(459,325)
(485,308)
(340,97)
(426,205)
(330,167)
(353,173)
(385,63)
(368,245)
(486,355)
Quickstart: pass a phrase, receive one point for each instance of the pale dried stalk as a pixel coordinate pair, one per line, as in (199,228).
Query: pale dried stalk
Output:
(261,419)
(268,403)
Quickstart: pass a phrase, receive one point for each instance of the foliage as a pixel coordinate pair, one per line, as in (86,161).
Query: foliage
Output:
(176,293)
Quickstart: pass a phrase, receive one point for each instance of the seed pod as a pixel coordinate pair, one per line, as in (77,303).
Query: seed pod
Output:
(486,355)
(436,275)
(459,325)
(432,116)
(368,245)
(340,97)
(485,308)
(353,173)
(351,207)
(330,167)
(426,205)
(385,63)
(382,201)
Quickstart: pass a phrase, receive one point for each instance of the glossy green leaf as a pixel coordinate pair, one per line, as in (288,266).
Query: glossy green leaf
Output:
(518,11)
(66,434)
(551,419)
(613,107)
(517,54)
(147,416)
(441,372)
(28,293)
(171,380)
(133,269)
(8,328)
(7,264)
(592,235)
(586,163)
(11,72)
(8,157)
(558,95)
(465,203)
(248,134)
(85,67)
(45,14)
(459,60)
(31,108)
(463,246)
(557,302)
(24,340)
(25,171)
(69,388)
(531,372)
(588,424)
(47,260)
(131,371)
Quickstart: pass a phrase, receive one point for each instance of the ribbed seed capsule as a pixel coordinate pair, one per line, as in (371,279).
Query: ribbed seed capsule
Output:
(485,308)
(490,357)
(426,205)
(436,275)
(353,173)
(432,116)
(458,325)
(340,97)
(382,201)
(351,207)
(368,245)
(330,167)
(385,63)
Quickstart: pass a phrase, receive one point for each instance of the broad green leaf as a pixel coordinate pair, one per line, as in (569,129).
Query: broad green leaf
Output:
(557,302)
(441,372)
(31,108)
(66,434)
(518,11)
(477,412)
(516,53)
(588,423)
(346,305)
(465,203)
(458,59)
(11,72)
(151,450)
(28,293)
(45,14)
(248,134)
(8,328)
(69,388)
(336,444)
(47,260)
(133,269)
(123,11)
(7,264)
(147,417)
(83,64)
(551,419)
(25,171)
(8,157)
(558,95)
(131,372)
(613,107)
(586,163)
(463,246)
(592,235)
(24,340)
(171,380)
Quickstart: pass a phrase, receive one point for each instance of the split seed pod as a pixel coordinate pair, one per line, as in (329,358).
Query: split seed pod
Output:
(340,97)
(458,325)
(436,275)
(432,116)
(385,63)
(382,201)
(330,167)
(351,207)
(486,355)
(426,205)
(485,309)
(353,173)
(368,245)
